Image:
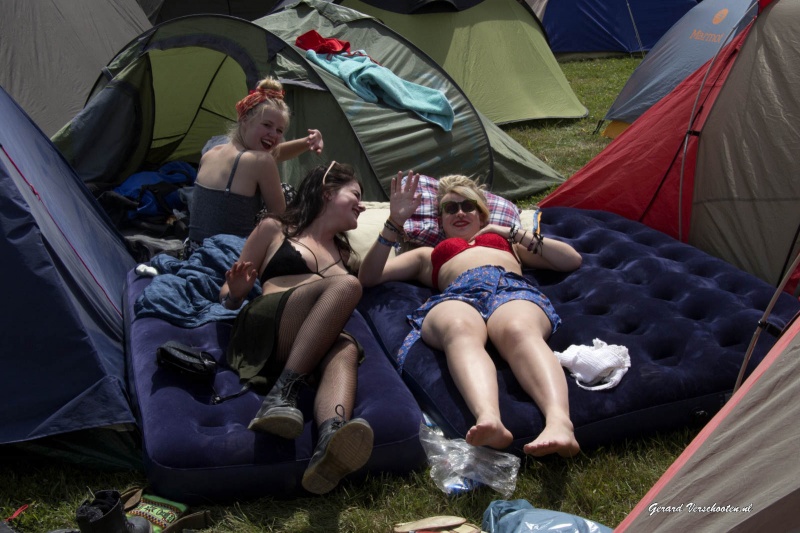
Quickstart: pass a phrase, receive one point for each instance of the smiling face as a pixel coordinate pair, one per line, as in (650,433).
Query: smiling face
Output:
(459,224)
(345,204)
(263,129)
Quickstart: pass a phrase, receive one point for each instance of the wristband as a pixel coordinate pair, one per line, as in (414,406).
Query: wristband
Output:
(384,241)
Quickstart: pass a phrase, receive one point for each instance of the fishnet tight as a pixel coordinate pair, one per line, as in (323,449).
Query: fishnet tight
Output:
(310,336)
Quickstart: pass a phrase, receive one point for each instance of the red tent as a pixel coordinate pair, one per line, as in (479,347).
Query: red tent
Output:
(638,174)
(713,162)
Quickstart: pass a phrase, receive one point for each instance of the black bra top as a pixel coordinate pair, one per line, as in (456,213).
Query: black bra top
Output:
(288,261)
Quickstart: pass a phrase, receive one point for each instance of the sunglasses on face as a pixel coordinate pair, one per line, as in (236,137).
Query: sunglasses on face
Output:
(451,208)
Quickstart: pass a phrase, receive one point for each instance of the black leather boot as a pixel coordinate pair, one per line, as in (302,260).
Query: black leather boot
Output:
(278,413)
(342,448)
(104,514)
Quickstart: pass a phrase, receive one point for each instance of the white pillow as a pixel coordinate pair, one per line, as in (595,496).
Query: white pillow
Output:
(370,224)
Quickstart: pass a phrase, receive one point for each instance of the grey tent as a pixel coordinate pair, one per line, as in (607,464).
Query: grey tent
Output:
(52,52)
(159,11)
(175,86)
(715,161)
(741,472)
(694,39)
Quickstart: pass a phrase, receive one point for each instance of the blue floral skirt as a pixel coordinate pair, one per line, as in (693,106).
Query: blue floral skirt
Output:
(485,288)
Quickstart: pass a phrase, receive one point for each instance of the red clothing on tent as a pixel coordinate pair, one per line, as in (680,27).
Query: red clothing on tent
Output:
(311,40)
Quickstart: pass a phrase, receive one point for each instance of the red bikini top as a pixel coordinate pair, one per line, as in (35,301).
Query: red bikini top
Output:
(449,248)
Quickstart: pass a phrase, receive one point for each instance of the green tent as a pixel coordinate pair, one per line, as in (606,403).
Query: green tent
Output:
(175,86)
(496,50)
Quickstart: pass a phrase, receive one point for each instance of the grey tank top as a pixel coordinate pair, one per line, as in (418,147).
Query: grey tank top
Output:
(213,212)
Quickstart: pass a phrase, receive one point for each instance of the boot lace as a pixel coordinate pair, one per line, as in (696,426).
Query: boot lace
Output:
(291,388)
(339,420)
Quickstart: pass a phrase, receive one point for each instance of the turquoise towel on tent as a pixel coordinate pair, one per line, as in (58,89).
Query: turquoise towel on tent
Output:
(373,82)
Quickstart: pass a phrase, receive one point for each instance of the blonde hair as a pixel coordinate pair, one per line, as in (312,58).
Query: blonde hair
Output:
(467,188)
(268,94)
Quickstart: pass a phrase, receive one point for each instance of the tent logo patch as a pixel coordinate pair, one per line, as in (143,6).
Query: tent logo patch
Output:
(720,16)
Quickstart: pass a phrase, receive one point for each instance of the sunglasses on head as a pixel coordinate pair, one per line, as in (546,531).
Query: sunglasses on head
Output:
(451,208)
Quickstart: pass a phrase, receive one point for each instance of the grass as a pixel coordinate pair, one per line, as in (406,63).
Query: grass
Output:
(567,145)
(602,484)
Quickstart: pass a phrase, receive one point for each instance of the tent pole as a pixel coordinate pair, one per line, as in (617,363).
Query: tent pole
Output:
(635,29)
(692,117)
(763,322)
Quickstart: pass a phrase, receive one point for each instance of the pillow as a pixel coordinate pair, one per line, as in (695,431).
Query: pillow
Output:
(422,228)
(370,223)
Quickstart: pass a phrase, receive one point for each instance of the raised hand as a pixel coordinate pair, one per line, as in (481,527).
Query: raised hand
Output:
(240,279)
(404,198)
(314,141)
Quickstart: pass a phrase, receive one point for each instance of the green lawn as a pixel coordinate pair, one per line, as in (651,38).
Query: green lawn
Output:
(602,484)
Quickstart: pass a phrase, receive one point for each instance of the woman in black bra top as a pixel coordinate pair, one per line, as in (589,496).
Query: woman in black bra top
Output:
(293,333)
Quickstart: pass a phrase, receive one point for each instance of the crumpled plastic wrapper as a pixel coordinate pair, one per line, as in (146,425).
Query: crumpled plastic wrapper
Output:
(458,467)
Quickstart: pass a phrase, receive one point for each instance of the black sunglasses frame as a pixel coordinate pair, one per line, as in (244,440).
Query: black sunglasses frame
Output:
(467,206)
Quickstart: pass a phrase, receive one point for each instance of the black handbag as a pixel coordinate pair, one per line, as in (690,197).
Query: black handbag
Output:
(195,364)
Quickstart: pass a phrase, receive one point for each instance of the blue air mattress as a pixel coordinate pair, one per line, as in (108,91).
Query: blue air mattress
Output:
(686,318)
(196,452)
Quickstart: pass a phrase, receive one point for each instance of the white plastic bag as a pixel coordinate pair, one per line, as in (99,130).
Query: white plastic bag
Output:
(458,467)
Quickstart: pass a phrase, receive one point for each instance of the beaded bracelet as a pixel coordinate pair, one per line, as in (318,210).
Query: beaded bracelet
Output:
(384,241)
(536,245)
(512,233)
(392,226)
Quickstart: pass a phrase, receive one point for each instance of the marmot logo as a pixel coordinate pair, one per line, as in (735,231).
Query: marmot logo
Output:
(720,16)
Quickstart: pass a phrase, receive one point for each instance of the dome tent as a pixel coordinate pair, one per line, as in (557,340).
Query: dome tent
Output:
(601,27)
(710,162)
(63,389)
(175,86)
(496,50)
(694,39)
(53,51)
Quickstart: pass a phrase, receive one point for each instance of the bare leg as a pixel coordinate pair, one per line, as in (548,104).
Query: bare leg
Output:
(519,330)
(459,331)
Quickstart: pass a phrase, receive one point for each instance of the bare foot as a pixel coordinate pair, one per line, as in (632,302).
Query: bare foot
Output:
(556,438)
(490,433)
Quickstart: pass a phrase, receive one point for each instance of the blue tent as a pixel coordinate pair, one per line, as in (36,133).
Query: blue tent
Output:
(692,41)
(61,327)
(604,26)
